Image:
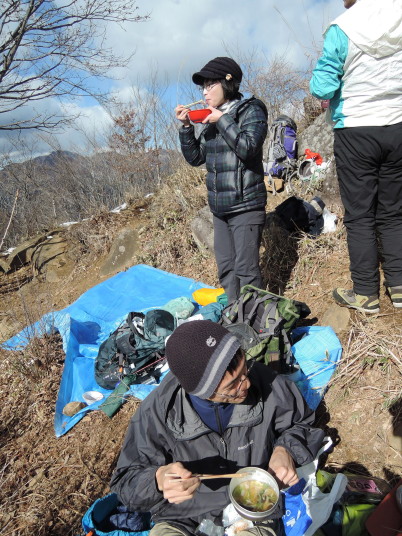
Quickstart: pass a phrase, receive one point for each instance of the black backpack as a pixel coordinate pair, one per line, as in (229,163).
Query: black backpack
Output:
(296,214)
(134,349)
(263,321)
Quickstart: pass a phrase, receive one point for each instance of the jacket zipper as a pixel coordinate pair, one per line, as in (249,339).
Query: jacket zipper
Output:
(218,420)
(224,447)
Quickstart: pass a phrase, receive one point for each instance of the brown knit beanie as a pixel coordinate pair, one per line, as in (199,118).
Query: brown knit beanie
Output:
(198,354)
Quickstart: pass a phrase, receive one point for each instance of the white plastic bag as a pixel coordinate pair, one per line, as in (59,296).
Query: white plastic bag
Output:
(307,512)
(330,221)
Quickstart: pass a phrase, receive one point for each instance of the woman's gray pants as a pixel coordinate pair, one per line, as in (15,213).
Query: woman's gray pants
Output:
(237,240)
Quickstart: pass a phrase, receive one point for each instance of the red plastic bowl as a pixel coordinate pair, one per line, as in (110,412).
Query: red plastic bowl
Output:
(196,116)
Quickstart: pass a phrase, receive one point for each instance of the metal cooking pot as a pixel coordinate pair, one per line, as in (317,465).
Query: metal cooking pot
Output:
(253,473)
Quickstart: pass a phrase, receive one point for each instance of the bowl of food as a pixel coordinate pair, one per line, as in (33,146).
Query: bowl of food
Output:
(196,116)
(255,495)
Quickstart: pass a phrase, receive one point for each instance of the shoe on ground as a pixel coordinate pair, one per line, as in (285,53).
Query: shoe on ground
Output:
(348,298)
(395,293)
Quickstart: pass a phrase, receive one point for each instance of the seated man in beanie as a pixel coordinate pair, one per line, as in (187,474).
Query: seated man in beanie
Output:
(213,413)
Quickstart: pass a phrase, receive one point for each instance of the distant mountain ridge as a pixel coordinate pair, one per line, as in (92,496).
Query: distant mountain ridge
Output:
(67,186)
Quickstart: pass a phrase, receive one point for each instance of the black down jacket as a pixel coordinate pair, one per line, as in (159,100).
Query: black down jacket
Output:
(231,148)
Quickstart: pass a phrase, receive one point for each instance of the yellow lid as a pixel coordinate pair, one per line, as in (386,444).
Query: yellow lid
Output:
(204,296)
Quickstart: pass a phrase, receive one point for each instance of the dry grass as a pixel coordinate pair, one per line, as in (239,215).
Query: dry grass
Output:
(47,483)
(167,240)
(371,345)
(93,235)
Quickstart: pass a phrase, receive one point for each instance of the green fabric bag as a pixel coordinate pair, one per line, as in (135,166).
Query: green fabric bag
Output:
(354,518)
(181,308)
(263,321)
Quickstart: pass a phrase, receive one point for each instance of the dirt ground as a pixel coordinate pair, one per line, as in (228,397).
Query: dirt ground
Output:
(47,483)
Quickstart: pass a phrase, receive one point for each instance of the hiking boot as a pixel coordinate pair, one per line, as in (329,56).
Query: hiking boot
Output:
(348,298)
(395,293)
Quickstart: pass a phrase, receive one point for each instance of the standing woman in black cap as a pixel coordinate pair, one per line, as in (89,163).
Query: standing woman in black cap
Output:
(230,145)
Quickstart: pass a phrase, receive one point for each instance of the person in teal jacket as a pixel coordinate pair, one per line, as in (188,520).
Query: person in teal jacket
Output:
(360,72)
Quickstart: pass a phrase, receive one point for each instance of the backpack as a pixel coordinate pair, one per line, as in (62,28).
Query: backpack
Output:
(134,348)
(296,214)
(282,147)
(108,517)
(263,321)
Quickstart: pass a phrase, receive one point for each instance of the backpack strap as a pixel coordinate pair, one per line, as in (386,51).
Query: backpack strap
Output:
(244,298)
(229,314)
(257,302)
(235,312)
(269,323)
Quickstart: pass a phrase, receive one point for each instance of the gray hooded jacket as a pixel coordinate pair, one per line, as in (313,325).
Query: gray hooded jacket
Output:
(166,429)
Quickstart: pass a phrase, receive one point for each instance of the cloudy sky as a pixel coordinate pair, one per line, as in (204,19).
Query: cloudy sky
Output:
(182,35)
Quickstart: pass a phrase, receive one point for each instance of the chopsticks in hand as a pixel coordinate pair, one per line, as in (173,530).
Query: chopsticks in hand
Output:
(194,103)
(177,478)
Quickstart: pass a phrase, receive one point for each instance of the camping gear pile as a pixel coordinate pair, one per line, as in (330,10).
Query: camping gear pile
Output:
(265,324)
(282,166)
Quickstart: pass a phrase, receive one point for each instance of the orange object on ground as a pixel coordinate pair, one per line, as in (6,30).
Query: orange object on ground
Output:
(386,520)
(204,296)
(313,156)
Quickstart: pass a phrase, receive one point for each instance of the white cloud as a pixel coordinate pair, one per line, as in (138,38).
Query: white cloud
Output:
(83,135)
(182,35)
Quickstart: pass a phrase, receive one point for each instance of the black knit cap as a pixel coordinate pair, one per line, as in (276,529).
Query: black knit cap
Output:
(218,69)
(198,354)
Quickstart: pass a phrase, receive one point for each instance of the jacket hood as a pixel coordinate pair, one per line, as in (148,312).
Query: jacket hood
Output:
(185,424)
(374,26)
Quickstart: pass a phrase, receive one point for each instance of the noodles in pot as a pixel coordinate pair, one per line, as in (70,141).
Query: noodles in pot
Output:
(255,496)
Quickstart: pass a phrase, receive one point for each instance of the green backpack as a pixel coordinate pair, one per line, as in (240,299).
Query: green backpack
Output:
(263,321)
(134,349)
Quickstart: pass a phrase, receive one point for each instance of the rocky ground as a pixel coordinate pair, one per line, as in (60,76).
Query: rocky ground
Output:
(47,483)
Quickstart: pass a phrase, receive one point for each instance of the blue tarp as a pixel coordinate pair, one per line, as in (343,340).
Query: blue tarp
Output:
(317,353)
(84,324)
(87,322)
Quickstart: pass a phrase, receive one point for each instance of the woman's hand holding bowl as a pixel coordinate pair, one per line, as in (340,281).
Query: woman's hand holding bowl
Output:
(214,116)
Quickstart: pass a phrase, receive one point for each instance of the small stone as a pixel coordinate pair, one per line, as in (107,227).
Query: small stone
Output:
(72,408)
(336,317)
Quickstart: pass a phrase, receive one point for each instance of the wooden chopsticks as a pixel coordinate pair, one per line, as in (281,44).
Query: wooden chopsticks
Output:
(193,103)
(206,477)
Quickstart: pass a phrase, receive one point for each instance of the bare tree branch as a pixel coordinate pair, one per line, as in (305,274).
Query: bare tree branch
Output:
(10,219)
(55,49)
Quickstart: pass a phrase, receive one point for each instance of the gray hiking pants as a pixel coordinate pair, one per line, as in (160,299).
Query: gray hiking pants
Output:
(237,240)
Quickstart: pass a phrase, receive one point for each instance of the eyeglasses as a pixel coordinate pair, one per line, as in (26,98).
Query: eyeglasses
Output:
(238,382)
(208,87)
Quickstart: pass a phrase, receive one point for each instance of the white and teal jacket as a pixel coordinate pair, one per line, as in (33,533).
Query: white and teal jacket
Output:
(360,69)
